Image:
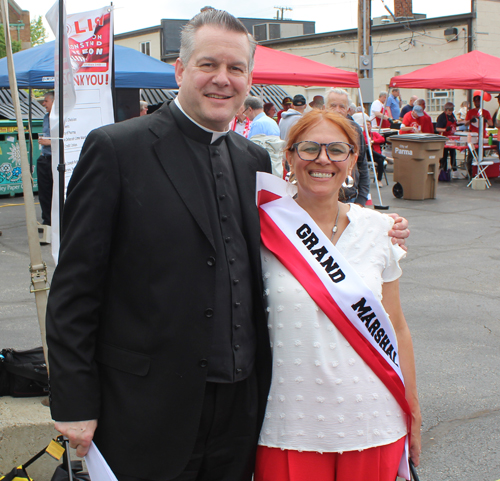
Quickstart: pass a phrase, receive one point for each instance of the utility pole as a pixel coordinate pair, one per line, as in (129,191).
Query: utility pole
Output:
(282,10)
(364,39)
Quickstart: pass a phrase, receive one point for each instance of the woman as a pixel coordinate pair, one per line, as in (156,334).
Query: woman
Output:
(270,110)
(329,417)
(446,124)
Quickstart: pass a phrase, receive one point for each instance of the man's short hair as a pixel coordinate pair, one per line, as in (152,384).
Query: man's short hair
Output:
(382,94)
(339,91)
(255,103)
(214,18)
(449,105)
(395,89)
(49,93)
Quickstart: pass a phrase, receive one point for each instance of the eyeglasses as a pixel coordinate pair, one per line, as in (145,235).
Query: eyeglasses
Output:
(336,151)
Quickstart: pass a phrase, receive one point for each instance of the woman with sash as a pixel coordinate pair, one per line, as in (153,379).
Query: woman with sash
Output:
(343,403)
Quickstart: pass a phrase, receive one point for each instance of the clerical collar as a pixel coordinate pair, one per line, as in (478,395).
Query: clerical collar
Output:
(191,128)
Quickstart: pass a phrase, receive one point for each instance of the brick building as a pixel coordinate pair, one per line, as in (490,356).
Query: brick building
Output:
(19,21)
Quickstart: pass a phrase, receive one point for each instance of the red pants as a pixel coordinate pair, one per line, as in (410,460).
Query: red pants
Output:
(374,464)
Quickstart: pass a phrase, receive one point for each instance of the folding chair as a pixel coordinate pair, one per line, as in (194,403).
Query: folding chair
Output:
(481,166)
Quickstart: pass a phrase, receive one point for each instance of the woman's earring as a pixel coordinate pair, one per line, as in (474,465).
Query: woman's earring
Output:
(349,182)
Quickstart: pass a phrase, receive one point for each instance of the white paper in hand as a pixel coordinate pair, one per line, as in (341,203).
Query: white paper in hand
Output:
(97,466)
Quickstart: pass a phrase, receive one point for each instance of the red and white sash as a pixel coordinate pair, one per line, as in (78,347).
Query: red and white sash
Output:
(290,233)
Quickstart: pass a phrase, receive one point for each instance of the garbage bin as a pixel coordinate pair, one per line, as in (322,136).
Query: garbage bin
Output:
(416,165)
(10,156)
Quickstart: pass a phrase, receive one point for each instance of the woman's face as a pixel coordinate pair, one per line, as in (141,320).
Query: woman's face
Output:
(321,177)
(271,112)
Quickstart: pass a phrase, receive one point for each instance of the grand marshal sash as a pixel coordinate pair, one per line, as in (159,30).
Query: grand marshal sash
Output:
(290,233)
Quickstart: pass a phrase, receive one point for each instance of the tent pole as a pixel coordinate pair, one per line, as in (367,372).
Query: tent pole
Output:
(369,145)
(30,133)
(38,268)
(480,136)
(61,168)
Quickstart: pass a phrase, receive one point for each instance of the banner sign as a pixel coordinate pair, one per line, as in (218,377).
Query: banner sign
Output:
(90,49)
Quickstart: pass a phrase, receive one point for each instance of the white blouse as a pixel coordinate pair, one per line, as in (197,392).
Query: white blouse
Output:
(323,396)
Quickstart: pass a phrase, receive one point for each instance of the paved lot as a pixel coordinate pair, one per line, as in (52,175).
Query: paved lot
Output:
(451,297)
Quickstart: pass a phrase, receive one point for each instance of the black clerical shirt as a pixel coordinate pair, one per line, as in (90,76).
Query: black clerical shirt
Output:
(234,336)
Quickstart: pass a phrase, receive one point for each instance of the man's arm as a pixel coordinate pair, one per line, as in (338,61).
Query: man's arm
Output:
(399,232)
(74,305)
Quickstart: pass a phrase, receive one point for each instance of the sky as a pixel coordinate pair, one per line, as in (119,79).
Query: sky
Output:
(328,15)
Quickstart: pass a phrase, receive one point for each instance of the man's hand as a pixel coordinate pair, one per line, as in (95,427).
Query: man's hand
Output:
(79,433)
(43,141)
(399,231)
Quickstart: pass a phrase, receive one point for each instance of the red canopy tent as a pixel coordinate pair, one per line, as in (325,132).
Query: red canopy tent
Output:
(473,70)
(281,68)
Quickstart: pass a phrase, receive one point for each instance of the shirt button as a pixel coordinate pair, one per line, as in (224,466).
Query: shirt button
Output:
(222,196)
(224,218)
(203,363)
(238,371)
(227,239)
(236,347)
(209,312)
(211,261)
(237,304)
(237,326)
(235,281)
(218,175)
(216,152)
(232,261)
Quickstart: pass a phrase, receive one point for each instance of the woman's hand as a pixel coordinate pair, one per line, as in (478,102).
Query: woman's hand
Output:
(416,440)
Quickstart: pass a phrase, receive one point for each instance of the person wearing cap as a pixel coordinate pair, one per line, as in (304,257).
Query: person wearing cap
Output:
(472,117)
(292,115)
(427,125)
(261,123)
(413,121)
(286,104)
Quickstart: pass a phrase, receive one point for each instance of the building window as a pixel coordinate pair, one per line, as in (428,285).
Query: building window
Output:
(146,48)
(437,98)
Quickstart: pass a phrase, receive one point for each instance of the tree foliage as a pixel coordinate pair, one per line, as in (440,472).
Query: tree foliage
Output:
(16,45)
(38,32)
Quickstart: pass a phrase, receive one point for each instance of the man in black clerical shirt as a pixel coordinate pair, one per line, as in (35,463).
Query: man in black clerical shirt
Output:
(157,334)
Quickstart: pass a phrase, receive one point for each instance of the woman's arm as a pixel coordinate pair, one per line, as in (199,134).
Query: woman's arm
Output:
(392,304)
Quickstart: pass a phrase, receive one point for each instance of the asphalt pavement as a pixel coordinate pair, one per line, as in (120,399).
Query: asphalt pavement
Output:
(450,293)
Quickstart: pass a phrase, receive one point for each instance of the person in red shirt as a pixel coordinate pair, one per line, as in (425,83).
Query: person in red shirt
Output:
(413,121)
(472,117)
(286,104)
(376,141)
(427,127)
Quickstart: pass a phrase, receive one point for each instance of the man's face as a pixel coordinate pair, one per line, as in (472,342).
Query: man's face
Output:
(383,98)
(240,114)
(395,93)
(48,101)
(251,113)
(216,80)
(477,102)
(337,103)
